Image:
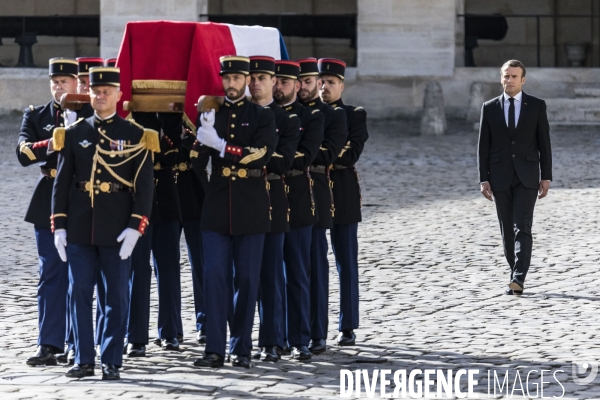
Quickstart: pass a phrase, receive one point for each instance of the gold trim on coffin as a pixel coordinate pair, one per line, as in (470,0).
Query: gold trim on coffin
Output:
(158,84)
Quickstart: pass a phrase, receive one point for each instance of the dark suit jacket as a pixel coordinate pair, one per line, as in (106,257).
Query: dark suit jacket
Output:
(526,152)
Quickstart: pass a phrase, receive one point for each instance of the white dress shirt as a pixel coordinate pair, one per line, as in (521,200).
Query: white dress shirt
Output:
(518,100)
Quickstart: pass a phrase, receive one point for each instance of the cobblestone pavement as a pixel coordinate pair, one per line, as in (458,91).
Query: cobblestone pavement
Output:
(432,278)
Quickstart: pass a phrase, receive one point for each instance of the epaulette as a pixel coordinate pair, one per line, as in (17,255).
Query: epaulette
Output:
(58,138)
(359,109)
(314,111)
(150,140)
(293,115)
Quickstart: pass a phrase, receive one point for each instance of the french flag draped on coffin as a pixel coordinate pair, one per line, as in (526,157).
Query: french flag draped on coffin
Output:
(177,62)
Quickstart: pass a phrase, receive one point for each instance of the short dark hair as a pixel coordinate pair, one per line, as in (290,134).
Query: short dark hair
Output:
(514,63)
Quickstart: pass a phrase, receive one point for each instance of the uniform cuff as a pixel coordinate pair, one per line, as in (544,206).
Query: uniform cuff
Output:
(138,222)
(58,221)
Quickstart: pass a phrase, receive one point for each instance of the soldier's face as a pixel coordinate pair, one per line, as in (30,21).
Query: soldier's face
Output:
(234,85)
(104,99)
(84,85)
(60,85)
(308,88)
(285,89)
(261,86)
(331,88)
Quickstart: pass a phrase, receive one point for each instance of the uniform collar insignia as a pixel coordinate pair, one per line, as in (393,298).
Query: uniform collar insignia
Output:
(48,127)
(288,108)
(85,144)
(312,103)
(333,104)
(56,105)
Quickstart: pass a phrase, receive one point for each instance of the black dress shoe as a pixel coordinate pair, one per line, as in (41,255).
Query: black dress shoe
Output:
(201,337)
(516,284)
(157,341)
(239,361)
(511,292)
(180,338)
(209,360)
(170,344)
(63,358)
(136,350)
(301,353)
(317,346)
(110,372)
(286,351)
(80,370)
(346,338)
(43,356)
(270,353)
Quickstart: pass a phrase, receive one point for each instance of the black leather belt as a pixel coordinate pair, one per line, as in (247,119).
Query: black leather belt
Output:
(237,172)
(338,166)
(294,172)
(321,169)
(273,177)
(104,187)
(48,172)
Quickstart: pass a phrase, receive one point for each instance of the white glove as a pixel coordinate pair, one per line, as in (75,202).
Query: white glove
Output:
(70,117)
(208,119)
(129,237)
(210,138)
(60,242)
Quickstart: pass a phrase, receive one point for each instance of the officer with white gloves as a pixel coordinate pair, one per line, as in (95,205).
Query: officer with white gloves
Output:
(101,200)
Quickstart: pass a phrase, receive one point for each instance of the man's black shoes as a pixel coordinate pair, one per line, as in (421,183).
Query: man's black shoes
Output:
(110,372)
(301,353)
(240,361)
(136,350)
(209,360)
(270,353)
(43,356)
(201,337)
(346,338)
(79,371)
(169,344)
(512,292)
(317,346)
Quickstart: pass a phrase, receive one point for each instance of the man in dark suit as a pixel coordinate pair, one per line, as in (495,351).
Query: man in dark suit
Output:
(514,146)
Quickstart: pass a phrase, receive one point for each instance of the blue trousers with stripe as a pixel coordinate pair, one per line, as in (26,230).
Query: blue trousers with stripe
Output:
(271,292)
(246,252)
(344,242)
(84,263)
(296,255)
(319,284)
(52,292)
(193,240)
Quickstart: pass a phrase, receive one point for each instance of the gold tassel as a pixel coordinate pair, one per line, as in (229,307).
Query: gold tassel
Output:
(58,139)
(151,141)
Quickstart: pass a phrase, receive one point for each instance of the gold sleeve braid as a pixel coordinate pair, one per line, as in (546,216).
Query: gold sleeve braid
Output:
(24,148)
(255,154)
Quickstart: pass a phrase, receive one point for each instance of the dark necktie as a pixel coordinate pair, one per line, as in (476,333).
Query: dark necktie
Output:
(511,116)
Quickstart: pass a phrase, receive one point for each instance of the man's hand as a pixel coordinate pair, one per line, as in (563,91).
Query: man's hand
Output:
(208,119)
(129,237)
(50,146)
(486,191)
(60,242)
(543,190)
(210,138)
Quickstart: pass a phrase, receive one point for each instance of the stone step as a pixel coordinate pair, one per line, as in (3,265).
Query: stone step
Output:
(587,92)
(573,110)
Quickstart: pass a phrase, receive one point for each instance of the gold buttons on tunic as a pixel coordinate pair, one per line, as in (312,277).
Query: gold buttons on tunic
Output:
(233,125)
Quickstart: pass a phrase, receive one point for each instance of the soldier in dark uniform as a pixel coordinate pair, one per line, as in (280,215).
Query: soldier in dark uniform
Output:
(84,65)
(162,240)
(35,147)
(236,212)
(272,276)
(335,132)
(303,213)
(191,185)
(346,196)
(101,200)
